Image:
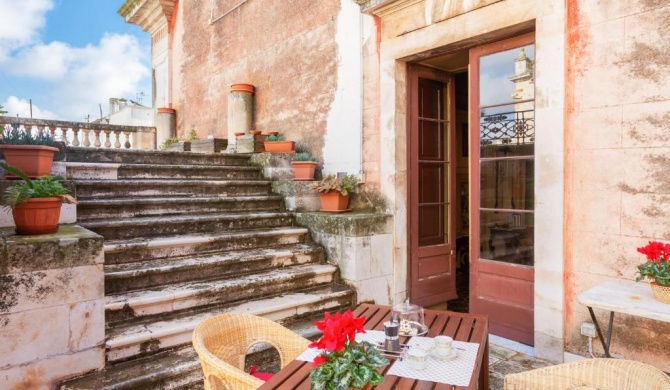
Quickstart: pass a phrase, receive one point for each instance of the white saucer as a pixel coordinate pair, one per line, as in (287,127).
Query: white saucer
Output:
(453,355)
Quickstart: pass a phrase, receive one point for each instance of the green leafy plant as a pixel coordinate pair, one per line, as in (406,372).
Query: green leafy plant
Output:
(44,187)
(167,142)
(13,135)
(343,362)
(303,156)
(193,136)
(657,267)
(344,185)
(275,138)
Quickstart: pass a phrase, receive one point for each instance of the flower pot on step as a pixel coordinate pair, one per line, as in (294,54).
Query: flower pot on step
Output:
(304,170)
(34,160)
(334,202)
(279,146)
(37,216)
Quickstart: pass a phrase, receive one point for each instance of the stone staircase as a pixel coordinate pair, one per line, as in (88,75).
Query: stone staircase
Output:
(188,236)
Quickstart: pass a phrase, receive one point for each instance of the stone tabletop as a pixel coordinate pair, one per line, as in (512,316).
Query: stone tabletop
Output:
(624,296)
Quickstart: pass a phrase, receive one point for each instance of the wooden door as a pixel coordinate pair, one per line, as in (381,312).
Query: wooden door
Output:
(431,151)
(502,124)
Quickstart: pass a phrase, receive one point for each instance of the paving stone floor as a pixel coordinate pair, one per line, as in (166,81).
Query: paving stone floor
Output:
(503,361)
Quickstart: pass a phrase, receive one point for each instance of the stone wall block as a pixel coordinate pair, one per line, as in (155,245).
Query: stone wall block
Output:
(645,215)
(646,125)
(85,329)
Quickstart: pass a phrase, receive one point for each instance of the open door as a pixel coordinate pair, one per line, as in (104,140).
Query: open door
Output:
(431,151)
(502,152)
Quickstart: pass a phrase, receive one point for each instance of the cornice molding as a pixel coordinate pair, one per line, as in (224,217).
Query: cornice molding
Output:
(384,7)
(150,15)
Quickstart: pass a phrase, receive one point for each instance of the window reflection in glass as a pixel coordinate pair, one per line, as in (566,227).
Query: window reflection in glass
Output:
(507,237)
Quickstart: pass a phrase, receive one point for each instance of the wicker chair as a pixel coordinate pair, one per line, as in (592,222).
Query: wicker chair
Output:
(223,341)
(591,374)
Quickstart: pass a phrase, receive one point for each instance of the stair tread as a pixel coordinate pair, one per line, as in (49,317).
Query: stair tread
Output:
(163,201)
(123,270)
(137,333)
(144,182)
(150,219)
(174,166)
(182,239)
(189,289)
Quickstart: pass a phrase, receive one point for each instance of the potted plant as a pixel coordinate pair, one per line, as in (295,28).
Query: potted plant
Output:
(334,192)
(277,144)
(31,153)
(35,204)
(304,165)
(343,362)
(657,269)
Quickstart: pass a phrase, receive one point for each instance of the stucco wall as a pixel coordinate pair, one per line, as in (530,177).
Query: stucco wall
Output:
(288,50)
(618,143)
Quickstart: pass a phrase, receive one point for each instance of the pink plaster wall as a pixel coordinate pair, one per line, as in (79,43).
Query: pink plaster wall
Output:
(617,147)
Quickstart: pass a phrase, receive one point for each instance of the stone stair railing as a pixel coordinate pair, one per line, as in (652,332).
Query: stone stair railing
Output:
(96,135)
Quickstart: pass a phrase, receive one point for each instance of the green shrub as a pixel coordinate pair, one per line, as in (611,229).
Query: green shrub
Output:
(304,156)
(275,138)
(15,136)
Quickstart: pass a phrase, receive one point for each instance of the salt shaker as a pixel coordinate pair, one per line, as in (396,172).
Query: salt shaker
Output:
(391,343)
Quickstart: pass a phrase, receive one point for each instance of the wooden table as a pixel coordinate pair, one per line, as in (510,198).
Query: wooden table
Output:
(459,326)
(622,296)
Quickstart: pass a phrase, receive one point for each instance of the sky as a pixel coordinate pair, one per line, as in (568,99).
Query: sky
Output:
(70,56)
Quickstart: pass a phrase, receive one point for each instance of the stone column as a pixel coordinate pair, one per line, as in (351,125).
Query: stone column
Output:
(166,124)
(240,112)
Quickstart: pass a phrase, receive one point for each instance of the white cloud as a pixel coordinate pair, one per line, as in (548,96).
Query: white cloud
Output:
(21,107)
(20,23)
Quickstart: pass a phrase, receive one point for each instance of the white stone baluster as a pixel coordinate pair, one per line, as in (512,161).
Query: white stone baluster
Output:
(86,137)
(117,139)
(108,142)
(97,138)
(75,138)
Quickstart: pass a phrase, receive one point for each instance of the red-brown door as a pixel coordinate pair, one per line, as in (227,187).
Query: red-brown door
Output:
(431,171)
(502,193)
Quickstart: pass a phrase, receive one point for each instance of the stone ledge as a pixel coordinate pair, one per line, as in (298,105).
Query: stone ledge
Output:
(71,246)
(346,224)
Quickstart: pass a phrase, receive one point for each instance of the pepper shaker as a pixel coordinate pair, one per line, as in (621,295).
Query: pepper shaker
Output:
(391,342)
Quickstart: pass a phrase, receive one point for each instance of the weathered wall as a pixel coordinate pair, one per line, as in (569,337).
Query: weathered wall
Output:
(52,320)
(618,143)
(288,50)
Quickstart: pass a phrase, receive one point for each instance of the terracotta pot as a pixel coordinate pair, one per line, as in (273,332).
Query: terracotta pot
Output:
(255,132)
(304,170)
(165,110)
(661,292)
(34,160)
(239,134)
(242,88)
(279,146)
(334,202)
(37,216)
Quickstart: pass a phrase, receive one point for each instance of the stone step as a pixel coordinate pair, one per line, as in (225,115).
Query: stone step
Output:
(96,171)
(137,339)
(120,156)
(155,226)
(96,209)
(125,251)
(99,189)
(176,298)
(121,278)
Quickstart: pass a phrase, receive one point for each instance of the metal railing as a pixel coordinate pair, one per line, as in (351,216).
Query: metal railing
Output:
(96,135)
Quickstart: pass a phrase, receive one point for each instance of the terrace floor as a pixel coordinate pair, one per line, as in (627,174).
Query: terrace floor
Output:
(503,361)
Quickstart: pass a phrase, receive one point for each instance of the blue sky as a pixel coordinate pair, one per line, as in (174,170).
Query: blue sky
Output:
(69,56)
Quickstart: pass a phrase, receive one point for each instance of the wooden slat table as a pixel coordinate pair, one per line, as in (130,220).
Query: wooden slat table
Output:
(459,326)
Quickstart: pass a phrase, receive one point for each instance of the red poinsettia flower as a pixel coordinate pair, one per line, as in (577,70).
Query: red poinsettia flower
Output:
(338,330)
(656,251)
(319,360)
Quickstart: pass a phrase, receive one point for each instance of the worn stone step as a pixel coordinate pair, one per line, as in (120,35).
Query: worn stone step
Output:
(96,209)
(140,249)
(108,171)
(120,156)
(99,189)
(136,339)
(155,226)
(134,276)
(176,298)
(177,369)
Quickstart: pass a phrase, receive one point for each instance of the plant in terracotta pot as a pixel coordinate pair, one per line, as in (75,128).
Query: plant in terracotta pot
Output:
(30,152)
(656,269)
(35,204)
(277,144)
(343,362)
(334,192)
(304,165)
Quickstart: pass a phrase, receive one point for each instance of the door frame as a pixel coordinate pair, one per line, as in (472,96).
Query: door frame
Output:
(414,72)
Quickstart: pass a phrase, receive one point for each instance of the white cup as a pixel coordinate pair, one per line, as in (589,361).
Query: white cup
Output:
(417,358)
(443,345)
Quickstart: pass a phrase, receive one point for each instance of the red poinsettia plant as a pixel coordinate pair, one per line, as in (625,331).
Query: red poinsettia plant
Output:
(657,266)
(343,362)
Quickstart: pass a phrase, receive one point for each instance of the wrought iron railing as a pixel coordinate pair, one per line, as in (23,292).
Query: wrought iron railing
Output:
(97,135)
(508,128)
